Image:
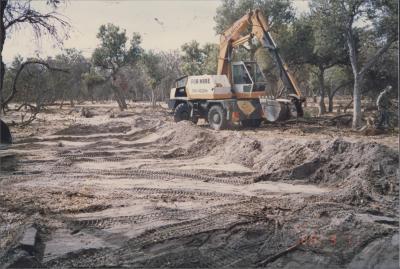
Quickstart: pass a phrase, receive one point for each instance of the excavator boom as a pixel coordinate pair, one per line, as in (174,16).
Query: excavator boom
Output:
(225,46)
(232,38)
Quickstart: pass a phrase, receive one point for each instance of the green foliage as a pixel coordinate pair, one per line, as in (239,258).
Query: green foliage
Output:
(193,58)
(151,62)
(198,60)
(211,52)
(277,12)
(313,40)
(338,77)
(307,114)
(69,84)
(38,84)
(92,79)
(113,52)
(383,73)
(113,55)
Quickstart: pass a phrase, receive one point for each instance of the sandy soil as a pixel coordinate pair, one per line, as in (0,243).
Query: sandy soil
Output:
(138,190)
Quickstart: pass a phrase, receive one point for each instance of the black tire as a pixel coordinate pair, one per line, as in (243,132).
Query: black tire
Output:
(182,112)
(5,136)
(251,123)
(217,118)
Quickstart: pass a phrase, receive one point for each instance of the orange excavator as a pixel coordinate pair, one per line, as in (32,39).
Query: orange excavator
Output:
(237,94)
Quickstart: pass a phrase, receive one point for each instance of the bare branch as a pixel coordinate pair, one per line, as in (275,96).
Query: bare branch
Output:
(32,107)
(344,84)
(377,55)
(21,13)
(21,68)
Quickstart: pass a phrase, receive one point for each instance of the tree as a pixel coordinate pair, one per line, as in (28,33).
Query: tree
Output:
(69,86)
(91,79)
(170,68)
(15,14)
(338,79)
(113,54)
(192,58)
(355,17)
(384,72)
(30,82)
(154,73)
(198,60)
(211,52)
(313,41)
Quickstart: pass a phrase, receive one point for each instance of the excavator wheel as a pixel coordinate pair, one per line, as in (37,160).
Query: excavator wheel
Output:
(182,112)
(217,118)
(5,137)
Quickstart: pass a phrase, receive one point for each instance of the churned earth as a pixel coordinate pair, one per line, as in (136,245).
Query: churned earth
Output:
(135,189)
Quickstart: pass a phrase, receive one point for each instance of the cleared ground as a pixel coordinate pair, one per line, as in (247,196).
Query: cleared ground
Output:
(138,190)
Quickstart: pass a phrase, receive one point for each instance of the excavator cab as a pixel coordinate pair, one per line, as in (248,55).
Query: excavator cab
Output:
(247,77)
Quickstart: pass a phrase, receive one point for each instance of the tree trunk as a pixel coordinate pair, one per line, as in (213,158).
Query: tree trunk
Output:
(2,71)
(3,4)
(354,67)
(118,94)
(357,103)
(330,103)
(356,91)
(321,104)
(153,98)
(120,99)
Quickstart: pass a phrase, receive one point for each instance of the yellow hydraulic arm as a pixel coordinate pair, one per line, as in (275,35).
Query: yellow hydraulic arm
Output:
(232,38)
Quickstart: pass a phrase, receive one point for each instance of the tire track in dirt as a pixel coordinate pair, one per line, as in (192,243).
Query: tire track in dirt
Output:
(181,229)
(108,222)
(158,174)
(224,222)
(220,217)
(188,193)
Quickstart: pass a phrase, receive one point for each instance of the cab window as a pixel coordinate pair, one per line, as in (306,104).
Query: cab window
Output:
(181,82)
(240,75)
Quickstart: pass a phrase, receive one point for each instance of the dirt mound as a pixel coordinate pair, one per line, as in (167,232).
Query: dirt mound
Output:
(186,139)
(238,148)
(145,123)
(83,129)
(337,163)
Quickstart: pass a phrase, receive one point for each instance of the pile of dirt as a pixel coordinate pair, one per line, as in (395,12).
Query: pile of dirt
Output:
(362,169)
(370,166)
(146,123)
(240,149)
(83,129)
(186,139)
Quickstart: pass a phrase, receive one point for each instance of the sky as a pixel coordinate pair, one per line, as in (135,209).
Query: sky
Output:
(163,25)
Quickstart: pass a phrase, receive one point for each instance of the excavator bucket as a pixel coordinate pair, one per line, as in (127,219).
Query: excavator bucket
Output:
(5,135)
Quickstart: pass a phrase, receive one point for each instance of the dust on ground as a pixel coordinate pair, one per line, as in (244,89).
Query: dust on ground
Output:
(142,191)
